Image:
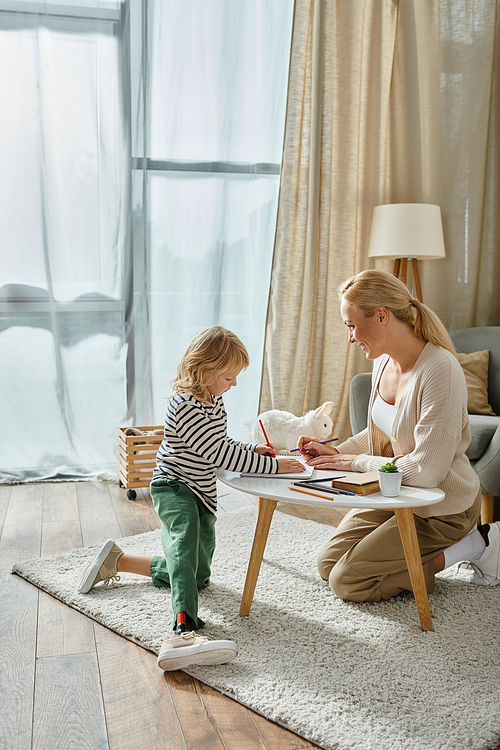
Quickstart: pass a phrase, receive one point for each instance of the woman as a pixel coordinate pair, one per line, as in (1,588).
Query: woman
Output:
(417,417)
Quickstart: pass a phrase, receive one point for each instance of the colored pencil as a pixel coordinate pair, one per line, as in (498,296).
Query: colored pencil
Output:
(321,442)
(263,430)
(326,479)
(332,490)
(329,490)
(315,494)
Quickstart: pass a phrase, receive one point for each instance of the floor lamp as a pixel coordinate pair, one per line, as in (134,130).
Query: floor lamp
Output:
(407,231)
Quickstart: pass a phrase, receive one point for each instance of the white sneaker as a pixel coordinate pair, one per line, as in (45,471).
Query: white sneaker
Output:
(186,649)
(487,568)
(102,567)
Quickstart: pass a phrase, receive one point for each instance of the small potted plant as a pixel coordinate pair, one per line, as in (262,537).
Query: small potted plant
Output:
(389,479)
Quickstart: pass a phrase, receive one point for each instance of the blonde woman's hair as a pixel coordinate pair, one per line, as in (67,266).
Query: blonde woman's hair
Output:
(211,353)
(372,289)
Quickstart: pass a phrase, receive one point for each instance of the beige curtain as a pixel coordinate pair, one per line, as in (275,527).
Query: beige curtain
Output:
(388,102)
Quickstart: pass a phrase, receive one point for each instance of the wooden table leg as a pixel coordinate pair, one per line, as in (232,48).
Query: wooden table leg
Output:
(406,523)
(264,517)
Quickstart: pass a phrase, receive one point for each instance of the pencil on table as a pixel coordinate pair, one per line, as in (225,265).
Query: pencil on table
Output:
(306,492)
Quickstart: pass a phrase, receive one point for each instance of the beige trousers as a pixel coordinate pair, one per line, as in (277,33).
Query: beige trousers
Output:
(364,560)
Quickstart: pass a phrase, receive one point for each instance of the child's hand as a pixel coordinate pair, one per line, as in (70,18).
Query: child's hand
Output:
(266,450)
(287,465)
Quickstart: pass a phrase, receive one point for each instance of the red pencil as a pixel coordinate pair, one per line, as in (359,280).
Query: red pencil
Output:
(263,430)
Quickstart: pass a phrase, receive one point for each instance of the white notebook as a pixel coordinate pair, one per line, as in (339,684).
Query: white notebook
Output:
(306,474)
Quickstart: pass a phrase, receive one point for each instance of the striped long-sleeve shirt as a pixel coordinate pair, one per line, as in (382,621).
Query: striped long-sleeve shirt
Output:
(195,443)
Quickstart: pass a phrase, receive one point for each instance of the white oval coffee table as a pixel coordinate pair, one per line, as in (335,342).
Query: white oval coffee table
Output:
(271,490)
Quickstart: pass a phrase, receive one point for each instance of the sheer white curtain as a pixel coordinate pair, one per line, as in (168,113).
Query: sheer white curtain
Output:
(63,186)
(140,146)
(212,96)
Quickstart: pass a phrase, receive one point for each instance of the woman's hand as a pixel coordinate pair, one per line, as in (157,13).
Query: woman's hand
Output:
(311,447)
(337,462)
(266,450)
(288,465)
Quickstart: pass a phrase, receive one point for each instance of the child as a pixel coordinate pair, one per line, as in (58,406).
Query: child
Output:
(184,493)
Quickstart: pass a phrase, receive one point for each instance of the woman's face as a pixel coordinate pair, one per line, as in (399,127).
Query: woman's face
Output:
(367,333)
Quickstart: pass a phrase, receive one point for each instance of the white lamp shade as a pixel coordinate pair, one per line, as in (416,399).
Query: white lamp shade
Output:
(407,230)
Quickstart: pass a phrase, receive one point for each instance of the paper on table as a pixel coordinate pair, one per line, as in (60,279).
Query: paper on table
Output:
(306,474)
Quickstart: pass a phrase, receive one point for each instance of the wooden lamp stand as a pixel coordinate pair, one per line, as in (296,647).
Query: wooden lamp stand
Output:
(401,272)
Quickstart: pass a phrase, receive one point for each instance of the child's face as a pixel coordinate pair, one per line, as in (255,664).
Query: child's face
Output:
(224,382)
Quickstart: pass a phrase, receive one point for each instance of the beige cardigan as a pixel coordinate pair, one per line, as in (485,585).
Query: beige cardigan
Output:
(430,433)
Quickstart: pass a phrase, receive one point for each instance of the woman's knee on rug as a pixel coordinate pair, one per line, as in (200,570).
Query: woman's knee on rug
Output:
(352,585)
(325,565)
(330,554)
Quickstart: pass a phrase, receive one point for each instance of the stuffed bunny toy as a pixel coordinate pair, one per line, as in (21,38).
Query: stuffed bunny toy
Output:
(284,429)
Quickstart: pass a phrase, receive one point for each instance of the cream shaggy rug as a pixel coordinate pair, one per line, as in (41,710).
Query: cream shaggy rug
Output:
(343,675)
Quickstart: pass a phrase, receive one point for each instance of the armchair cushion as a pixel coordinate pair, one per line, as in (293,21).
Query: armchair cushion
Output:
(482,429)
(475,367)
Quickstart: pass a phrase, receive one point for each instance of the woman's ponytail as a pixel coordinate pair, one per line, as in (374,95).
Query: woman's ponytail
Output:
(429,327)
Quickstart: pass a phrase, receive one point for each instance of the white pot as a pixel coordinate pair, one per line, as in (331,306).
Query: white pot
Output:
(390,482)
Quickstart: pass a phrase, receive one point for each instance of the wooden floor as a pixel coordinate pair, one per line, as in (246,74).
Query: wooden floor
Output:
(66,681)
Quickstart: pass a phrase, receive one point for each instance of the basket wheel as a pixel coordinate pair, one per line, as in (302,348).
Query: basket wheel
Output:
(131,494)
(120,483)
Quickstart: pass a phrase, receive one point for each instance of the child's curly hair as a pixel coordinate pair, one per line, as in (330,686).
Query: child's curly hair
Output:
(212,352)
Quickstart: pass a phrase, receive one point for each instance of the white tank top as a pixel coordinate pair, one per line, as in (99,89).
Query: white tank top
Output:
(383,414)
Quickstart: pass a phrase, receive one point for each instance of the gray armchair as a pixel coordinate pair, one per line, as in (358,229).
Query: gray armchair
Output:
(484,449)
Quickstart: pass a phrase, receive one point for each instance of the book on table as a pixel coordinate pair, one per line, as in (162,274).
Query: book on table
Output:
(361,484)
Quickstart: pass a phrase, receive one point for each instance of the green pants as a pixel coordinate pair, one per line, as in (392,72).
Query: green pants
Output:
(188,539)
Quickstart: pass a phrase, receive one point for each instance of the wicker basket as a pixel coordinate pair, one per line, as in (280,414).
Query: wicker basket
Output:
(137,458)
